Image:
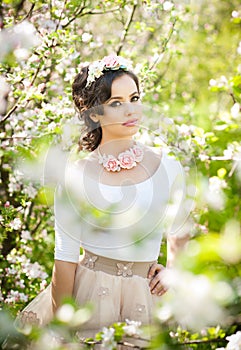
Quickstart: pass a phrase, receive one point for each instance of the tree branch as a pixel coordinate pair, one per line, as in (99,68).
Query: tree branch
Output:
(164,71)
(126,29)
(164,46)
(29,14)
(80,13)
(61,14)
(1,17)
(10,112)
(19,7)
(202,341)
(233,98)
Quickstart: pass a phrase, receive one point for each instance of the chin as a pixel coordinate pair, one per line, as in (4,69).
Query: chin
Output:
(131,129)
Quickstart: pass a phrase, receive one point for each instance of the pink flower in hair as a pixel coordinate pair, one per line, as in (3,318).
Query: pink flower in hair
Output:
(111,61)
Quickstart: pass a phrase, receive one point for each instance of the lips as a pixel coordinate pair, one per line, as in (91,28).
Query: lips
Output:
(131,122)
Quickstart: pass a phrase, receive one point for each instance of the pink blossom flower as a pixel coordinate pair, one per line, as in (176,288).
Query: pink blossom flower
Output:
(111,61)
(127,160)
(111,164)
(138,153)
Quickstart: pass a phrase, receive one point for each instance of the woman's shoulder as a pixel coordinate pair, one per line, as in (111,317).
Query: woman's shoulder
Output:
(168,158)
(80,164)
(153,153)
(162,153)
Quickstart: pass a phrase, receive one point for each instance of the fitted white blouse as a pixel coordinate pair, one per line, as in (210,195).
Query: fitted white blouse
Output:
(120,222)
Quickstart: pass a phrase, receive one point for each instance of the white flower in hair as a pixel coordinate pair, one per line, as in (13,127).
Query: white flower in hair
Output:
(111,62)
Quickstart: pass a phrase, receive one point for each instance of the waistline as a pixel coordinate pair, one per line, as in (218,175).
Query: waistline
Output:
(115,267)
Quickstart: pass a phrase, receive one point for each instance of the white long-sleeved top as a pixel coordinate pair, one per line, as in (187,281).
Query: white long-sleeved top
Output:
(120,222)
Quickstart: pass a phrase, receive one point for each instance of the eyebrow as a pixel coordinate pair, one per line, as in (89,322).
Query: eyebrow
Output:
(120,97)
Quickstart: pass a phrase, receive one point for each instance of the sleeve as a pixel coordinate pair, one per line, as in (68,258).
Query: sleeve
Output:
(181,200)
(67,228)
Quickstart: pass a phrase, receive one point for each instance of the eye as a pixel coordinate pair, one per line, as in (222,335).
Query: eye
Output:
(115,104)
(135,98)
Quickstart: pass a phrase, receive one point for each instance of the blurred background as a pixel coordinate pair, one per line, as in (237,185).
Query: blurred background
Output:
(187,56)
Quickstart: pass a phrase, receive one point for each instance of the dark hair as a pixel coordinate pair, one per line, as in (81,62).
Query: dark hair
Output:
(89,100)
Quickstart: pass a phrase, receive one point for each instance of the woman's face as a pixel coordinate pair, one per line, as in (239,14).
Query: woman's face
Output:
(123,110)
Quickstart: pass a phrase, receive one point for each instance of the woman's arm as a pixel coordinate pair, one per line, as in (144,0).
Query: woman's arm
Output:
(62,282)
(175,244)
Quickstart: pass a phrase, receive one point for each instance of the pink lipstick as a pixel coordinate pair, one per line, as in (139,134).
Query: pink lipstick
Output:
(131,122)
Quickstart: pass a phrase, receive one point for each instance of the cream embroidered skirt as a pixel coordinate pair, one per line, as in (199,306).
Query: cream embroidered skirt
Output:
(118,291)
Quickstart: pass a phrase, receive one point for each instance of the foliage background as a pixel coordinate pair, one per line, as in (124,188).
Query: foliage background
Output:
(187,55)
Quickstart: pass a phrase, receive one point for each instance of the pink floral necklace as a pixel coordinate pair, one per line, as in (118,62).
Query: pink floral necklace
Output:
(125,160)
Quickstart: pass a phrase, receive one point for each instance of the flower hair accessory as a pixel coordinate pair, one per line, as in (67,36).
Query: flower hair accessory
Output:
(125,160)
(111,62)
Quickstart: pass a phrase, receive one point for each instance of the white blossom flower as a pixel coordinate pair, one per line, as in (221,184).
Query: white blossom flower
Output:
(65,313)
(28,124)
(52,126)
(108,341)
(30,191)
(189,298)
(21,54)
(111,62)
(234,341)
(183,130)
(26,236)
(167,5)
(15,296)
(20,284)
(235,14)
(228,153)
(86,37)
(11,271)
(44,233)
(216,184)
(132,328)
(23,297)
(34,270)
(203,157)
(20,36)
(221,82)
(15,224)
(235,110)
(214,195)
(212,82)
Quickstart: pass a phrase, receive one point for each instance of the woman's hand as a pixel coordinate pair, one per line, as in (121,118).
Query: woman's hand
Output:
(155,274)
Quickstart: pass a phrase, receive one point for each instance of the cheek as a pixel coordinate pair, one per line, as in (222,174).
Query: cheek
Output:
(113,114)
(139,107)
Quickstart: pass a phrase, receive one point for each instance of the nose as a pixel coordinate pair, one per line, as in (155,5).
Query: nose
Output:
(129,109)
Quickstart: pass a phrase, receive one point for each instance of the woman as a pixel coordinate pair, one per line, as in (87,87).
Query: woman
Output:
(129,186)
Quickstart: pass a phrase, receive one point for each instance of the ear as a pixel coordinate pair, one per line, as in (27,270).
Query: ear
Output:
(94,117)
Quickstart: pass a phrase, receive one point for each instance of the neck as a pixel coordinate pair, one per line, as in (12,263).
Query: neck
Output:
(115,146)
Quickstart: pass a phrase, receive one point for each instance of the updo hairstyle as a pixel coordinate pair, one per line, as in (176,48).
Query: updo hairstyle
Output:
(89,100)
